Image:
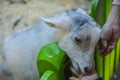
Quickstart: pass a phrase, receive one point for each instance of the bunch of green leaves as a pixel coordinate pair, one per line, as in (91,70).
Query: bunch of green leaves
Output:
(107,65)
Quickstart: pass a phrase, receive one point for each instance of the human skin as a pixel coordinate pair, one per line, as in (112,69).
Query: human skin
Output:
(110,32)
(91,75)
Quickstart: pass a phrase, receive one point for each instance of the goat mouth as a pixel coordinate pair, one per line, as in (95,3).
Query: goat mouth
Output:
(80,74)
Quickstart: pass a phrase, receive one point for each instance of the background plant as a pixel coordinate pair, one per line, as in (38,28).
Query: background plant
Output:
(107,65)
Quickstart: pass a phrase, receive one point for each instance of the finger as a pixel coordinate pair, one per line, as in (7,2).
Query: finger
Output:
(102,45)
(104,53)
(110,48)
(74,71)
(113,41)
(103,42)
(73,78)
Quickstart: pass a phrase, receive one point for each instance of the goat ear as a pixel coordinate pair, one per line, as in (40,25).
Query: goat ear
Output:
(48,21)
(81,11)
(57,22)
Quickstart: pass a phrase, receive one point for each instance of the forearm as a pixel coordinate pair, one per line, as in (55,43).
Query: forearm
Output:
(116,2)
(111,30)
(114,15)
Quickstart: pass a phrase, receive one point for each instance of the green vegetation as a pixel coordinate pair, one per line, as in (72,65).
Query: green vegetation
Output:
(107,65)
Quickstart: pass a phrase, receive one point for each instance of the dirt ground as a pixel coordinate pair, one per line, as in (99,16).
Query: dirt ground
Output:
(18,14)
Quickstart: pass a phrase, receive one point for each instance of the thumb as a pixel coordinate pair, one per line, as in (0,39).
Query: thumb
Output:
(102,45)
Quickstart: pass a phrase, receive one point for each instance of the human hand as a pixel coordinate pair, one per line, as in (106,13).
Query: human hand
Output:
(109,37)
(110,32)
(92,75)
(87,77)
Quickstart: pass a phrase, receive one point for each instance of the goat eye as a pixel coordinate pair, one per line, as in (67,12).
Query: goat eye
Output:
(77,39)
(82,23)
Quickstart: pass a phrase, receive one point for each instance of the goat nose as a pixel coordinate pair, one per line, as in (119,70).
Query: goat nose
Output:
(86,69)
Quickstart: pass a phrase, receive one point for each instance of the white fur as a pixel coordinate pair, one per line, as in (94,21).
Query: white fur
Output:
(20,49)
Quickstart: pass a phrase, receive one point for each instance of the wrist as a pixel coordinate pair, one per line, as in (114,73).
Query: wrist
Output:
(114,15)
(116,2)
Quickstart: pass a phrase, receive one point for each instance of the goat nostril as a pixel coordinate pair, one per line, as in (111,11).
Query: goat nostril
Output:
(86,69)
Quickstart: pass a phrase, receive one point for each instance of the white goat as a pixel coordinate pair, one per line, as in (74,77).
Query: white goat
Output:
(75,31)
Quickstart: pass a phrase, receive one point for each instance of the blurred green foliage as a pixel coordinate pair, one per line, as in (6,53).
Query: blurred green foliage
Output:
(107,65)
